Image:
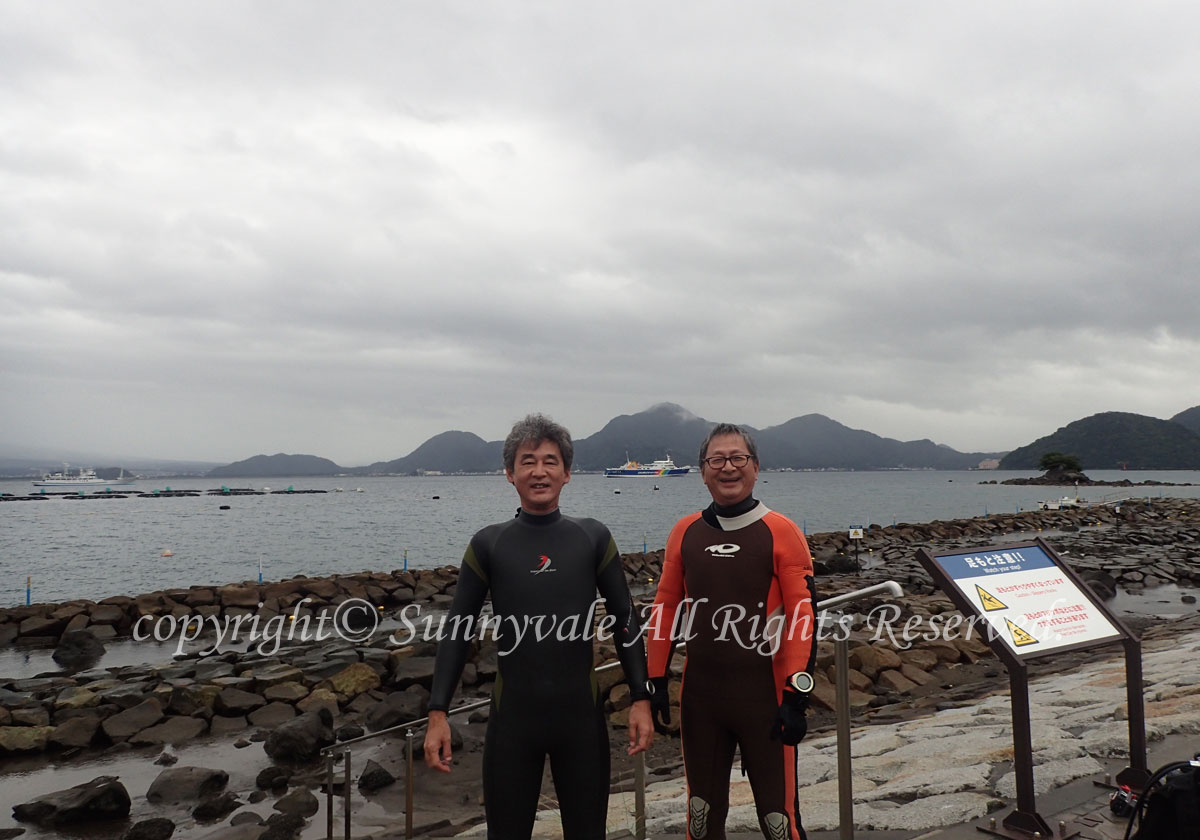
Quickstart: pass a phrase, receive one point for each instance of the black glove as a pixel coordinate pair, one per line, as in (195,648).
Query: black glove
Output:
(791,725)
(660,703)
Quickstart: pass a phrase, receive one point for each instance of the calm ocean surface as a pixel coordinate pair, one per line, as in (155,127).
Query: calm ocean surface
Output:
(93,549)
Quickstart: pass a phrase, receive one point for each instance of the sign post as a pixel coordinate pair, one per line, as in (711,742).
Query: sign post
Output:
(1030,604)
(856,535)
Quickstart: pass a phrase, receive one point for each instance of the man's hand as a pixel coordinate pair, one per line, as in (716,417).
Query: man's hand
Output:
(437,742)
(660,704)
(641,728)
(790,724)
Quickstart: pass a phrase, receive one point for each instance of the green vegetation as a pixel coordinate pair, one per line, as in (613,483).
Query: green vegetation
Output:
(1189,418)
(1115,440)
(1056,461)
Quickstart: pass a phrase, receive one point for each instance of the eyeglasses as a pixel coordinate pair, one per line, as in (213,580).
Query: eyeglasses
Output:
(717,462)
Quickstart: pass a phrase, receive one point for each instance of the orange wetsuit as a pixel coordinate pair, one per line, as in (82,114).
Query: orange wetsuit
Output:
(744,575)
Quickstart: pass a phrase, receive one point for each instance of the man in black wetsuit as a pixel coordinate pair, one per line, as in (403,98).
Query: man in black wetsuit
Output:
(543,570)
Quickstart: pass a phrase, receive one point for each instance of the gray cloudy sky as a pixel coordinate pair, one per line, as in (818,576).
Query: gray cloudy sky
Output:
(238,227)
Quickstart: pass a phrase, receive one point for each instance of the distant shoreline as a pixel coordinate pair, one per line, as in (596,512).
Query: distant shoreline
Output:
(1041,482)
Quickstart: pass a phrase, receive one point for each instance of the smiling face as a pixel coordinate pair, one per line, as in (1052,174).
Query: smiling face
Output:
(729,485)
(539,475)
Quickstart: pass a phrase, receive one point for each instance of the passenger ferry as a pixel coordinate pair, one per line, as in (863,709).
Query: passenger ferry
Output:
(86,477)
(662,467)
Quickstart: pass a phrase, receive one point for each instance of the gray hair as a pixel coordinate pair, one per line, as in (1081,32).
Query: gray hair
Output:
(534,429)
(728,429)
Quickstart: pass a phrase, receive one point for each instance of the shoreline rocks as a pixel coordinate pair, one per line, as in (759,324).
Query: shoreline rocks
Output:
(374,683)
(103,798)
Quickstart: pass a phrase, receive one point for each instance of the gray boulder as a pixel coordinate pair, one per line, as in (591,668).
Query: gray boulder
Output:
(283,827)
(300,802)
(186,784)
(24,738)
(78,649)
(216,808)
(272,778)
(131,721)
(233,702)
(154,828)
(75,732)
(398,707)
(271,715)
(103,798)
(349,732)
(301,738)
(374,777)
(416,670)
(174,730)
(16,699)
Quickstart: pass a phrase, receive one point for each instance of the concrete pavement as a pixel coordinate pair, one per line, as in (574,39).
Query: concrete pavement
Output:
(946,774)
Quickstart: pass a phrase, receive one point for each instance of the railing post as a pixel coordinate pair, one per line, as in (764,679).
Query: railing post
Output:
(639,797)
(328,796)
(347,799)
(408,786)
(841,661)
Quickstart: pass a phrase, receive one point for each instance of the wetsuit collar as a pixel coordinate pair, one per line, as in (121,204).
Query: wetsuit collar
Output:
(732,517)
(735,510)
(540,519)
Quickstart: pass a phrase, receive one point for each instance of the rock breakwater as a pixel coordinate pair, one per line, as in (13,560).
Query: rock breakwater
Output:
(376,681)
(304,696)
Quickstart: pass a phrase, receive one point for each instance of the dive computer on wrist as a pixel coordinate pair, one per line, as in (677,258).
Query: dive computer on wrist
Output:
(801,682)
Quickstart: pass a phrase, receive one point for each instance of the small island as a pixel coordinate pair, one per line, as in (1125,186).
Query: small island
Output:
(1061,470)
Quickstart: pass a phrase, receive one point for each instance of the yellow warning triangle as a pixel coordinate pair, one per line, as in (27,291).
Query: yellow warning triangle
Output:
(990,601)
(1019,636)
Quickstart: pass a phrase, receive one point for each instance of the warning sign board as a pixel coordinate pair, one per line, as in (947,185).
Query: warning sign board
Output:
(1027,602)
(1025,599)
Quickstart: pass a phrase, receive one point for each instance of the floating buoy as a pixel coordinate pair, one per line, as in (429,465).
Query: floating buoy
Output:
(168,553)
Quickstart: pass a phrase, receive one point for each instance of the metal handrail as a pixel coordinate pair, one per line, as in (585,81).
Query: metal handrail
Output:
(845,792)
(889,587)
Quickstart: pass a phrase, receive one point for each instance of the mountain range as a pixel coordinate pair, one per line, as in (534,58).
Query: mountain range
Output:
(811,441)
(1109,440)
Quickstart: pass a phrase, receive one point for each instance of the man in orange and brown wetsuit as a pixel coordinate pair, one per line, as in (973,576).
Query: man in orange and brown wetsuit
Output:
(744,573)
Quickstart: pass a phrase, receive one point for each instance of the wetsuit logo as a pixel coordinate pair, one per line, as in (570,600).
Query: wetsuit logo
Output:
(542,566)
(725,550)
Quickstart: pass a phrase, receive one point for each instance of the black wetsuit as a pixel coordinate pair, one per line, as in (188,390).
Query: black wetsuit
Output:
(546,702)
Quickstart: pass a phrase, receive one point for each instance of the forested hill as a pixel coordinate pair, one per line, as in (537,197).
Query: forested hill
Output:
(263,466)
(447,452)
(1115,440)
(1189,418)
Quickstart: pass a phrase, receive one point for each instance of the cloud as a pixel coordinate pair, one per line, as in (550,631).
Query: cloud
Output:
(237,228)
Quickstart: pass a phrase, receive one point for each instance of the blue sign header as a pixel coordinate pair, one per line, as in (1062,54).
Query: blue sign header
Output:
(995,562)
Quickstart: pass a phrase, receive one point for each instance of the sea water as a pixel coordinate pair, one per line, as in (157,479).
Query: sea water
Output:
(57,549)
